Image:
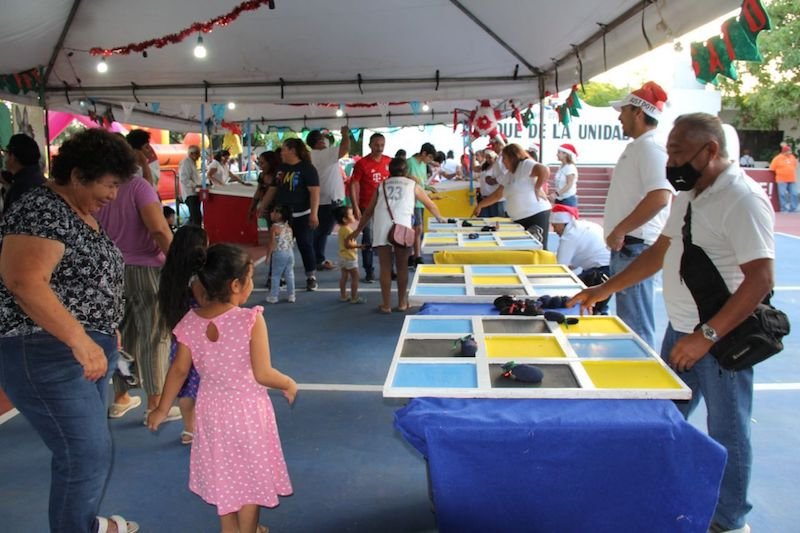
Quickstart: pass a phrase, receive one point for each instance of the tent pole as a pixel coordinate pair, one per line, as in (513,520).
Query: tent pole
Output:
(249,148)
(203,146)
(541,119)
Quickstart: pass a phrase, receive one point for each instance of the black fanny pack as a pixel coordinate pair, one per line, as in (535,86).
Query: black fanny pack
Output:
(757,338)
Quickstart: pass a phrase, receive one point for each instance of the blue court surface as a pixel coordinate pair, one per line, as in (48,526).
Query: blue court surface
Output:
(351,470)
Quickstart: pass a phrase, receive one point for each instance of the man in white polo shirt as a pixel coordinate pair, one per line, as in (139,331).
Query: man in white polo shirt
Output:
(733,222)
(638,202)
(331,187)
(581,247)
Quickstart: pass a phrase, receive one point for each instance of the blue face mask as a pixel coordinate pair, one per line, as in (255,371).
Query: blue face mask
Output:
(684,177)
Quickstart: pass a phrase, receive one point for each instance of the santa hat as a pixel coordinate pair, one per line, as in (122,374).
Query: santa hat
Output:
(568,149)
(650,98)
(563,214)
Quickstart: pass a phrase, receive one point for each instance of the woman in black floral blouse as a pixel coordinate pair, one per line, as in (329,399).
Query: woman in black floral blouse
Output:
(60,306)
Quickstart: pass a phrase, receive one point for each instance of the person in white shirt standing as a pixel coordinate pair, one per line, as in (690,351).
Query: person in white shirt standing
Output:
(219,173)
(331,187)
(523,188)
(566,179)
(190,183)
(638,200)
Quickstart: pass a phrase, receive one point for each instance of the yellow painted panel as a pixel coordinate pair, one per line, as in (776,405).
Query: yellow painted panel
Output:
(437,269)
(500,219)
(630,375)
(483,244)
(496,280)
(526,346)
(544,269)
(609,325)
(512,233)
(440,240)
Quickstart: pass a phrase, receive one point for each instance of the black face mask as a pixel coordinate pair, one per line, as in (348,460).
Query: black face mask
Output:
(684,177)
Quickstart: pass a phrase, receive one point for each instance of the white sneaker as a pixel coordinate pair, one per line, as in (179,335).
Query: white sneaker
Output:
(173,414)
(272,299)
(291,299)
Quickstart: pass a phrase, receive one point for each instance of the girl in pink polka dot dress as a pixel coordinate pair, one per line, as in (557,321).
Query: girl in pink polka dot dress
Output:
(236,462)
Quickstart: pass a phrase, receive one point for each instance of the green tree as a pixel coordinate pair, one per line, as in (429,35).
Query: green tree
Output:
(599,94)
(777,93)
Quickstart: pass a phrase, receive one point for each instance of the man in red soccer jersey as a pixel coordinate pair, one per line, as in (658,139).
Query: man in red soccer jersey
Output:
(368,173)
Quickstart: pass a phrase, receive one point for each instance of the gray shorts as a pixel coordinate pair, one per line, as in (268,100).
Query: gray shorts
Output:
(348,265)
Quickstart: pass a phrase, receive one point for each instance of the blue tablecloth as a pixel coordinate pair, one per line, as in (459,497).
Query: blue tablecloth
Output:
(564,465)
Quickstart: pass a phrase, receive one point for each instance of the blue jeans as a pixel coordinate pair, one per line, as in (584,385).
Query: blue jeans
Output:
(321,233)
(494,210)
(366,253)
(787,194)
(282,267)
(304,236)
(569,200)
(635,304)
(45,383)
(729,401)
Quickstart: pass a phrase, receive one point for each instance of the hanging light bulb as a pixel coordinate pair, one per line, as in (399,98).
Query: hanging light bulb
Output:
(102,66)
(200,49)
(426,107)
(231,105)
(340,111)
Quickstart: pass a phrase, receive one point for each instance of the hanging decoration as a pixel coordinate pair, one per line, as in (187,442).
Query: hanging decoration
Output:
(483,121)
(218,110)
(22,82)
(528,116)
(415,107)
(127,109)
(356,133)
(516,114)
(570,107)
(231,127)
(174,38)
(737,42)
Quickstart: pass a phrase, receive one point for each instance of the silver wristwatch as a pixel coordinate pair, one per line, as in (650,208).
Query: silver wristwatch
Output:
(709,332)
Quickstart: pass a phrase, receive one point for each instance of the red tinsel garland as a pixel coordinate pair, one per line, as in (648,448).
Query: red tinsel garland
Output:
(174,38)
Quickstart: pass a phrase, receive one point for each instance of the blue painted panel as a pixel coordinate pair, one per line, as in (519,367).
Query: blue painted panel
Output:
(460,326)
(493,270)
(456,376)
(522,243)
(441,290)
(608,348)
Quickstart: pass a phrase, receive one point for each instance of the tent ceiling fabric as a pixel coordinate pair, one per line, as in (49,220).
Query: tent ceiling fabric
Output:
(320,47)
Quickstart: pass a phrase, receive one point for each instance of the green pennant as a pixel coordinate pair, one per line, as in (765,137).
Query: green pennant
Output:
(754,18)
(719,60)
(564,115)
(700,63)
(737,41)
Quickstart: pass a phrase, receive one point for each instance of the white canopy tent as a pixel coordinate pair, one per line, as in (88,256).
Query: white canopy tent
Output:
(448,53)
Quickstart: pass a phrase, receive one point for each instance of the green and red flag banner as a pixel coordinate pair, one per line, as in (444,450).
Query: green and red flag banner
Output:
(738,42)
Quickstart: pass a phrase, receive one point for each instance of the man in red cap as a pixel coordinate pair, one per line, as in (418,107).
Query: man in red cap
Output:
(638,200)
(582,248)
(784,165)
(565,182)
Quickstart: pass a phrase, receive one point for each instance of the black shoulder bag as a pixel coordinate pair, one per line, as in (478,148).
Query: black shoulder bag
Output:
(757,337)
